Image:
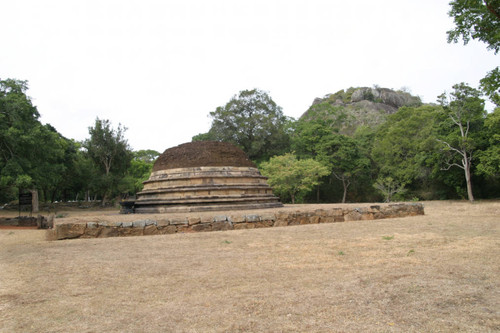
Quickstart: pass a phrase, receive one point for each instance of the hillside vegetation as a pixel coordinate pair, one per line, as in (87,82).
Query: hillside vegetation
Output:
(362,106)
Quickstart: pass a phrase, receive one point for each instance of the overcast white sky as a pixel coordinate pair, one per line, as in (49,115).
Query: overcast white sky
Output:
(159,67)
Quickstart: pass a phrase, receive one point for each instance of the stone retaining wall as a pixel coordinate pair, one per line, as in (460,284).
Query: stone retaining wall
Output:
(229,221)
(25,221)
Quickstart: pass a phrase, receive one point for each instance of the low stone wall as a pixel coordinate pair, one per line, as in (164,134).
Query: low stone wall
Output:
(228,221)
(26,221)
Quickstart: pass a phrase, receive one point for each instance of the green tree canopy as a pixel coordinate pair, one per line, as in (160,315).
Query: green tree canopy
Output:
(343,156)
(465,111)
(293,178)
(476,19)
(489,159)
(254,122)
(403,145)
(479,20)
(109,151)
(28,148)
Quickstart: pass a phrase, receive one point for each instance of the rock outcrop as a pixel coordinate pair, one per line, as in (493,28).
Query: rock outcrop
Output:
(359,107)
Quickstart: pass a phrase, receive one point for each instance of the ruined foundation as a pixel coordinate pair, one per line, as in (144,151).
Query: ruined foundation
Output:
(134,225)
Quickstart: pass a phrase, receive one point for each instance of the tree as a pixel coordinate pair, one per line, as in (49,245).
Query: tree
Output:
(109,151)
(140,169)
(479,20)
(489,158)
(254,122)
(465,111)
(341,154)
(319,139)
(148,156)
(389,187)
(28,148)
(476,19)
(490,85)
(405,149)
(291,177)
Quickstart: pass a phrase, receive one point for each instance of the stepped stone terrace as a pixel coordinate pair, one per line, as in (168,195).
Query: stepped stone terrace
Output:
(204,176)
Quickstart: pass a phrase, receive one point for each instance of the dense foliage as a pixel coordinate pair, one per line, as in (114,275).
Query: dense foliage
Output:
(479,20)
(252,121)
(36,156)
(430,151)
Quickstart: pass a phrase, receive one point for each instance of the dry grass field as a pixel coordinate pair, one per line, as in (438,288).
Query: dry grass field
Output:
(434,273)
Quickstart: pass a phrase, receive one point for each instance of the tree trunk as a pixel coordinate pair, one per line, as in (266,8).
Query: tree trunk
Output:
(345,189)
(34,201)
(293,198)
(317,194)
(468,180)
(345,182)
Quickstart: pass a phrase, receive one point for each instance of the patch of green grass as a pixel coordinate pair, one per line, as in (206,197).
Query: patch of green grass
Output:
(412,251)
(226,242)
(61,215)
(388,237)
(341,253)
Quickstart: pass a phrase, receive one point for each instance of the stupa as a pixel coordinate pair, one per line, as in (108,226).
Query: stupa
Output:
(204,176)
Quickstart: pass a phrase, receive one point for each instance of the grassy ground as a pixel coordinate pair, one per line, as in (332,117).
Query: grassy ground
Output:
(439,272)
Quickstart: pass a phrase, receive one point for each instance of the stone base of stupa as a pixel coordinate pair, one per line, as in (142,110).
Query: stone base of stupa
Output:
(203,176)
(210,188)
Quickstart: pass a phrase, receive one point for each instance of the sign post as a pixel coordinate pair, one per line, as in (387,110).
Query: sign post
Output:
(25,199)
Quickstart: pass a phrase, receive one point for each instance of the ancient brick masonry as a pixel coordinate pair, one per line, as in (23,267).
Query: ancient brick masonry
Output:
(229,221)
(204,176)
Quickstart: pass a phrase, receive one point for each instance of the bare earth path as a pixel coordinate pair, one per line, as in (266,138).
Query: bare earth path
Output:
(434,273)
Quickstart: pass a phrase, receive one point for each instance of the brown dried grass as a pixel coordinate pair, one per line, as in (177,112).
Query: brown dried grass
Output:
(438,272)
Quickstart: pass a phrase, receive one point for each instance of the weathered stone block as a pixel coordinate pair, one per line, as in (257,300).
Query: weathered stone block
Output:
(335,212)
(126,232)
(320,212)
(202,227)
(222,225)
(162,222)
(220,218)
(112,231)
(127,224)
(183,228)
(244,225)
(92,225)
(282,216)
(280,223)
(236,218)
(139,224)
(194,220)
(179,221)
(327,219)
(339,219)
(268,217)
(151,230)
(314,219)
(303,219)
(169,229)
(263,224)
(70,230)
(252,218)
(353,215)
(92,232)
(367,216)
(149,222)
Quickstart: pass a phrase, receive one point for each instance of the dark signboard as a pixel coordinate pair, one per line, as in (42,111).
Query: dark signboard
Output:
(25,198)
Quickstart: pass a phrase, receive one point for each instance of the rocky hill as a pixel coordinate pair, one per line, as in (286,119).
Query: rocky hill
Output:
(354,107)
